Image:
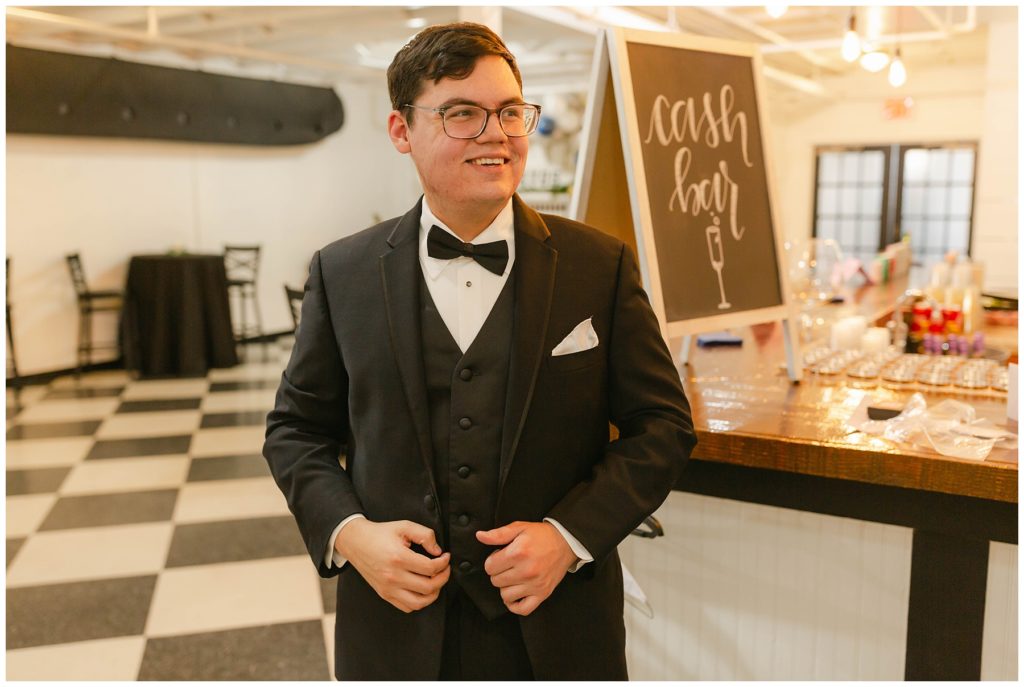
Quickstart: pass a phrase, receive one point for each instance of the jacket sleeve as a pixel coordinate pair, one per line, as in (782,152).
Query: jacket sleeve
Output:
(649,408)
(308,425)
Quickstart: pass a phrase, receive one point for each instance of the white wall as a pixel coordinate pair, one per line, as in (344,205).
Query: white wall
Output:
(951,103)
(110,199)
(742,591)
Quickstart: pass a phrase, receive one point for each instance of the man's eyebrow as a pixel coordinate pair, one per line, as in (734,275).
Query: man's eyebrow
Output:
(467,101)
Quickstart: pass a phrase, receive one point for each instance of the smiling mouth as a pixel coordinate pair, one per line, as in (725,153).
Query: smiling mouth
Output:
(488,161)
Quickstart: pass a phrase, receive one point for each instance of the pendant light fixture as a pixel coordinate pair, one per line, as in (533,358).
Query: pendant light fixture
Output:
(874,60)
(851,41)
(897,70)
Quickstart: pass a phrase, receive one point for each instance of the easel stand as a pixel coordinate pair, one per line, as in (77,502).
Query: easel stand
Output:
(790,334)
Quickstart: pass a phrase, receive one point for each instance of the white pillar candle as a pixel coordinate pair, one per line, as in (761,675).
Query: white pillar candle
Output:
(875,340)
(858,325)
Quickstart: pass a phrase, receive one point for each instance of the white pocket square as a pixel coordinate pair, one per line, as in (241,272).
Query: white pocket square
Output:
(581,338)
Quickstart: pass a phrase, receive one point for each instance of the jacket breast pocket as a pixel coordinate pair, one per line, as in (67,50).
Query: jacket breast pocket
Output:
(576,361)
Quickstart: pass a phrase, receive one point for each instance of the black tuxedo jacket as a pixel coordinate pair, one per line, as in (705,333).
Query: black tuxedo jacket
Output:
(356,376)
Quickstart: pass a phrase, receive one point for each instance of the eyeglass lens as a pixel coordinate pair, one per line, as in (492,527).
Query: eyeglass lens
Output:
(469,121)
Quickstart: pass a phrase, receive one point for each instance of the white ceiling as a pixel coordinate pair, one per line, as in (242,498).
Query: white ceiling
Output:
(554,44)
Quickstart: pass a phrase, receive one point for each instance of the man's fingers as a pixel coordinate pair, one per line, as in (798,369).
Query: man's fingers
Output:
(497,563)
(421,565)
(524,606)
(418,534)
(408,601)
(507,578)
(420,584)
(501,535)
(514,593)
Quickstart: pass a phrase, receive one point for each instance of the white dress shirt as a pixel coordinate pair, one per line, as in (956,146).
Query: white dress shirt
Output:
(464,294)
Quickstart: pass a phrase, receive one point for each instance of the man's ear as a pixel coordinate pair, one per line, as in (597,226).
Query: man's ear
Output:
(398,130)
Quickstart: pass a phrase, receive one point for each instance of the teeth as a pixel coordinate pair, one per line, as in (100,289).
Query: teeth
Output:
(488,161)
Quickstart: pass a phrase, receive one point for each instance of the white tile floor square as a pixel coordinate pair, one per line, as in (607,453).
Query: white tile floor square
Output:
(159,424)
(117,658)
(46,453)
(229,500)
(165,389)
(235,401)
(228,595)
(221,441)
(91,553)
(126,474)
(69,410)
(25,513)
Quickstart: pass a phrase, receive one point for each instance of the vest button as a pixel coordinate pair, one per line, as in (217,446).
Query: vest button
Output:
(463,520)
(463,472)
(465,374)
(428,501)
(465,423)
(465,566)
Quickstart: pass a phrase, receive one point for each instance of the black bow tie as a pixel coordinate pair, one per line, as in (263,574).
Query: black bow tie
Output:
(493,256)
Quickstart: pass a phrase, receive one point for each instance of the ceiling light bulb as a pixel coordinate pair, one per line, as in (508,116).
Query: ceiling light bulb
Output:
(416,22)
(851,45)
(874,61)
(897,72)
(775,10)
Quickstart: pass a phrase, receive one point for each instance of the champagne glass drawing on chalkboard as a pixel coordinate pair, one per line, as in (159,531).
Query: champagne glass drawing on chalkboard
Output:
(717,256)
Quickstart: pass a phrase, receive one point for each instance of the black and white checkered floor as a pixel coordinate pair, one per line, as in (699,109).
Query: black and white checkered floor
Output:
(147,540)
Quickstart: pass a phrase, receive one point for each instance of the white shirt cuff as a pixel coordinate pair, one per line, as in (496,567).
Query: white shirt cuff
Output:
(581,553)
(332,555)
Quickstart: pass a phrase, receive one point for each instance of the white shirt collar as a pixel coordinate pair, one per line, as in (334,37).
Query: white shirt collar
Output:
(502,228)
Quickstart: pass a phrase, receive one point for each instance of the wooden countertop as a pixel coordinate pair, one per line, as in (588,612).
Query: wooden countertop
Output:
(747,412)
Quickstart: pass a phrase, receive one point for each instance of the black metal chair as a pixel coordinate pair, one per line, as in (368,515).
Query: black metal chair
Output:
(294,297)
(242,265)
(12,359)
(90,302)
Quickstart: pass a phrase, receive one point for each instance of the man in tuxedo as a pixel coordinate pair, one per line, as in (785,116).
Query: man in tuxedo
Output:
(469,357)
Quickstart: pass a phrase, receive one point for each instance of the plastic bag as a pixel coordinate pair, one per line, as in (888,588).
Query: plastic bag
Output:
(949,427)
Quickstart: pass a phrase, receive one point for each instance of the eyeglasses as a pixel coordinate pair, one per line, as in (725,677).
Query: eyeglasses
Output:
(469,121)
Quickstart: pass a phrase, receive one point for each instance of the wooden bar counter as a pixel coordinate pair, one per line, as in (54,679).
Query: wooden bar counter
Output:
(787,450)
(747,412)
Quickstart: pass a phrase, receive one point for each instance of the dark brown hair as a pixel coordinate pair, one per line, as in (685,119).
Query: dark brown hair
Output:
(442,51)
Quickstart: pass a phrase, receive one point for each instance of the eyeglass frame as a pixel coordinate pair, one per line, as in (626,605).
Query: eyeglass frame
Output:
(444,108)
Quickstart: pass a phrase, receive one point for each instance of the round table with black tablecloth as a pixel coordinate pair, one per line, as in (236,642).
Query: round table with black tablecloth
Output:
(177,321)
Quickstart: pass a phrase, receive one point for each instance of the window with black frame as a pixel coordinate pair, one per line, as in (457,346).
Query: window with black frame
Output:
(870,196)
(937,199)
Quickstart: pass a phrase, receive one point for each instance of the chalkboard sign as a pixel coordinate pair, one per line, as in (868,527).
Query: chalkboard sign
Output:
(689,166)
(700,142)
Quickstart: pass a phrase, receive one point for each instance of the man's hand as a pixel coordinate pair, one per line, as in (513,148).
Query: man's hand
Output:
(533,561)
(380,552)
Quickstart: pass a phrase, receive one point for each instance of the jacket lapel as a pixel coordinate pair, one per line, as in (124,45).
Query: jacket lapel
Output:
(534,286)
(400,274)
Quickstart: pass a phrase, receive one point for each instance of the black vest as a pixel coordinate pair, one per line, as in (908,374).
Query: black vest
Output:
(466,397)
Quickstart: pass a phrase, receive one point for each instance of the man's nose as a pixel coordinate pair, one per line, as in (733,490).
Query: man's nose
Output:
(492,129)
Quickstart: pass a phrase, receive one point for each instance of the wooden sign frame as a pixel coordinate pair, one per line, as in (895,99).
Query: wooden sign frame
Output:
(611,190)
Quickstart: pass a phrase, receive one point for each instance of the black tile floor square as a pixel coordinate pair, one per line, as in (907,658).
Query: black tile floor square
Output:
(13,546)
(159,404)
(54,430)
(100,510)
(246,418)
(65,393)
(228,532)
(234,540)
(256,385)
(148,446)
(40,481)
(287,651)
(228,467)
(77,611)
